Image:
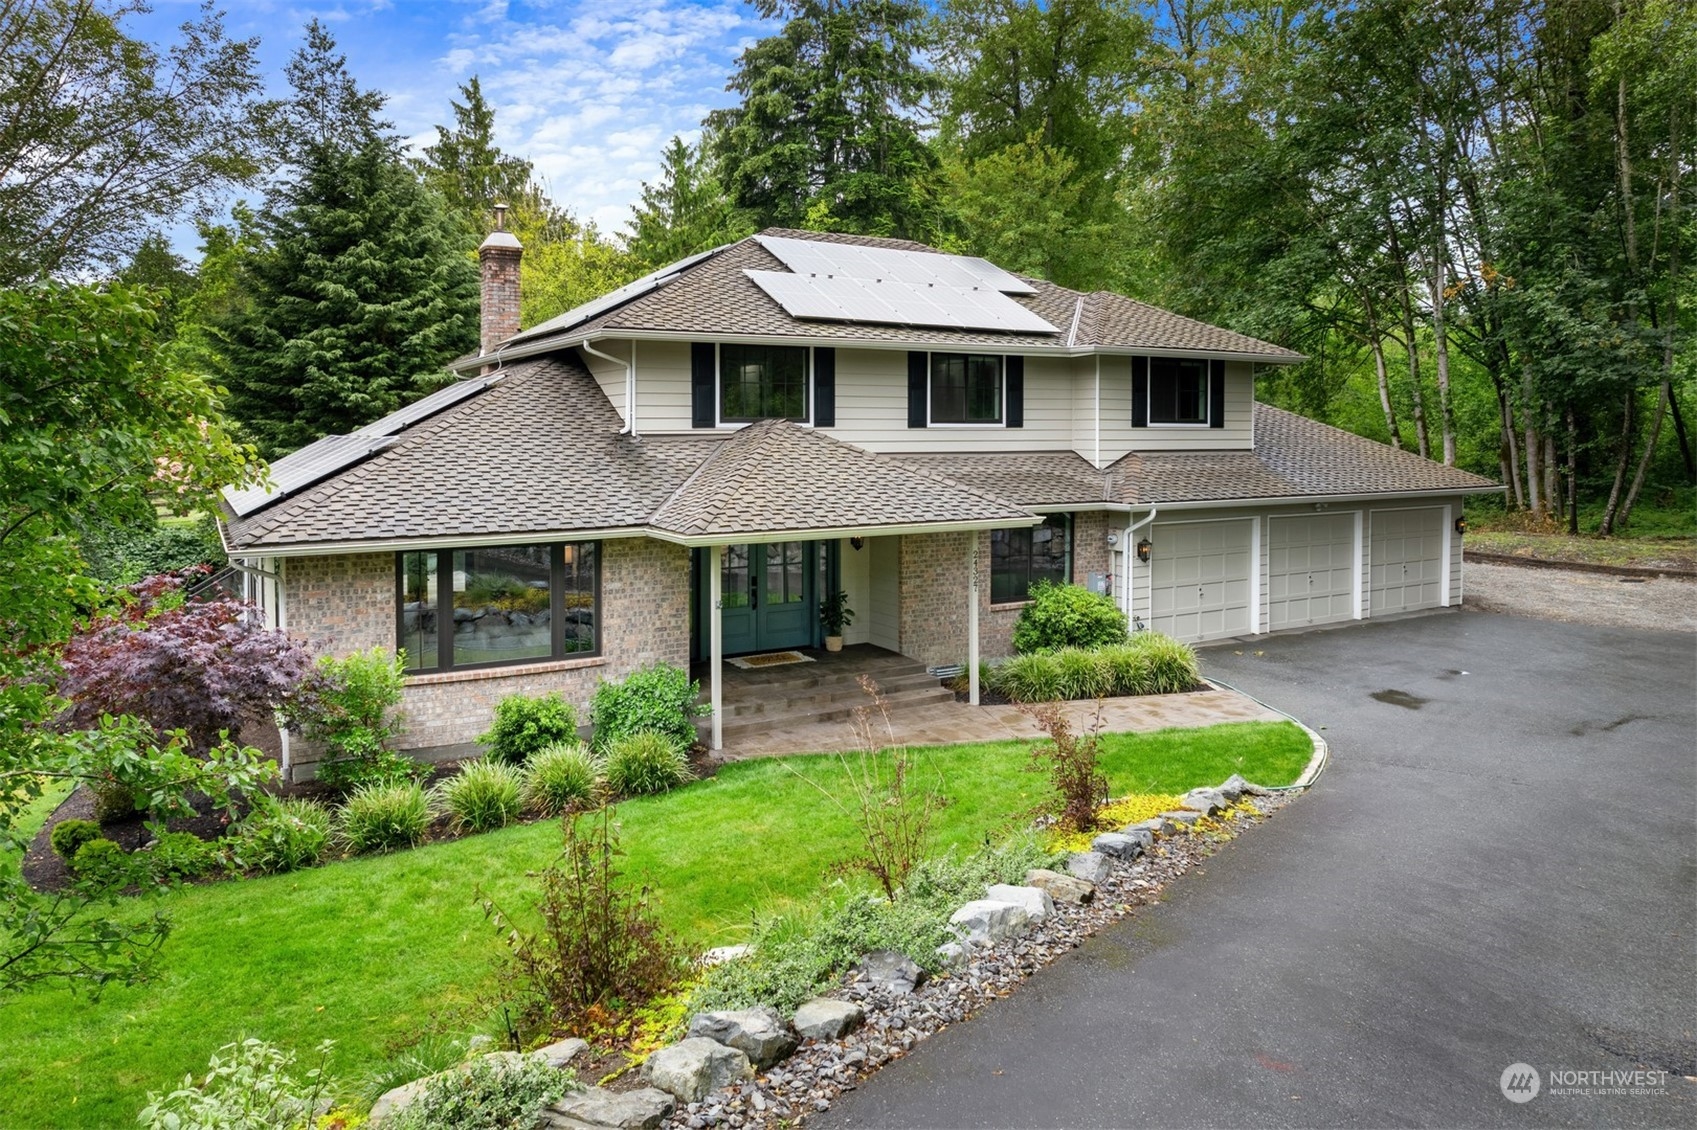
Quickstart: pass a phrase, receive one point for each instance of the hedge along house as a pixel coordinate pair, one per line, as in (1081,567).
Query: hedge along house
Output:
(680,470)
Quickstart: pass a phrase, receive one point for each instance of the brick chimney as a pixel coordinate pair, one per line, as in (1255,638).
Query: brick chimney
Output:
(499,254)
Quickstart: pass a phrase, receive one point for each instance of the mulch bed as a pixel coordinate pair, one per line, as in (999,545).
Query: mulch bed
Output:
(987,697)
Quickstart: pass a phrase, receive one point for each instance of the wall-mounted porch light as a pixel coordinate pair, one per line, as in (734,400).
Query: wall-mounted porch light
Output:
(1460,526)
(1143,550)
(857,543)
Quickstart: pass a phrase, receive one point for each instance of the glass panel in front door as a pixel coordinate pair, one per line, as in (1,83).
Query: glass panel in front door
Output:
(733,581)
(786,578)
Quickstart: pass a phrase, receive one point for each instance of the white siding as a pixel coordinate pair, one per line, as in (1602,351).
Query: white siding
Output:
(610,375)
(872,408)
(856,576)
(1086,440)
(884,618)
(662,386)
(1119,437)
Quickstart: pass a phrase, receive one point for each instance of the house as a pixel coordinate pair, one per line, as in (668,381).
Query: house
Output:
(678,470)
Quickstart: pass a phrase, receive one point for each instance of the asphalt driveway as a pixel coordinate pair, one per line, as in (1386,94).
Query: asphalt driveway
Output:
(1499,866)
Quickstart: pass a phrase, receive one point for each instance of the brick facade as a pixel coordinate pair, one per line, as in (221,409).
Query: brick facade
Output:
(934,589)
(347,603)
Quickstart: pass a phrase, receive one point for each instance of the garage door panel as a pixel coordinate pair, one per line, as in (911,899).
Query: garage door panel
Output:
(1200,578)
(1311,569)
(1407,551)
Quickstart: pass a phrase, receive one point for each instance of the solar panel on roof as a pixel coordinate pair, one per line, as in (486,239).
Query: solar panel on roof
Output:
(613,298)
(987,272)
(325,457)
(425,407)
(300,469)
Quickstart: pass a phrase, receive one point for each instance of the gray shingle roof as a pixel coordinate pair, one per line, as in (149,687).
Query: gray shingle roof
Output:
(714,297)
(775,476)
(1039,479)
(1293,457)
(540,453)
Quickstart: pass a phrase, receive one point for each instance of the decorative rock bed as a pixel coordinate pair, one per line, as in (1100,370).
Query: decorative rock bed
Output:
(750,1068)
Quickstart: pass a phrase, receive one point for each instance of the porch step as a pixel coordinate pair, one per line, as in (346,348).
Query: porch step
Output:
(826,691)
(838,710)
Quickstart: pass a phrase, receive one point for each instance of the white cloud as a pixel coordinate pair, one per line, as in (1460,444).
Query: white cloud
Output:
(588,91)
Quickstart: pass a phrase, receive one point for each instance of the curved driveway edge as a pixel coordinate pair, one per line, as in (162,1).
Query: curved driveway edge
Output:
(1501,869)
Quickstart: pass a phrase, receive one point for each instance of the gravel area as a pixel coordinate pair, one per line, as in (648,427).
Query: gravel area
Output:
(1582,598)
(807,1082)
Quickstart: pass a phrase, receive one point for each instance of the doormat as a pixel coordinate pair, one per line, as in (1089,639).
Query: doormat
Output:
(770,659)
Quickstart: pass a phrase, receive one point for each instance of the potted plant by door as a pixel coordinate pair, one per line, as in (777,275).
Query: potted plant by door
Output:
(834,616)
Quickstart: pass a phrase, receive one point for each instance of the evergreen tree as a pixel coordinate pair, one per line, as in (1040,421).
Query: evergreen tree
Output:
(827,133)
(468,169)
(684,212)
(358,285)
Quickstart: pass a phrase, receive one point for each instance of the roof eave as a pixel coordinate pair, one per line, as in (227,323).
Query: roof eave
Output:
(1311,499)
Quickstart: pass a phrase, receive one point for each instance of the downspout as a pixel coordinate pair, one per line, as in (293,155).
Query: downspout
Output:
(1131,560)
(630,382)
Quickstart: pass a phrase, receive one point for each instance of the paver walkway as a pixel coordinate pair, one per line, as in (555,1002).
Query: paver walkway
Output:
(946,723)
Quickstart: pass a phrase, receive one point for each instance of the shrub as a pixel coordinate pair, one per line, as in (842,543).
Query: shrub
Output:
(1080,787)
(199,667)
(381,817)
(798,955)
(643,763)
(69,835)
(181,855)
(385,767)
(104,864)
(1030,678)
(599,941)
(658,699)
(486,1095)
(1172,665)
(113,802)
(282,835)
(247,1085)
(482,796)
(1067,616)
(560,778)
(1082,674)
(349,705)
(524,727)
(125,552)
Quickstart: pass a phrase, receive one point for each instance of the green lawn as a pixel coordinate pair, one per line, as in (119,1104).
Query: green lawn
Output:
(374,951)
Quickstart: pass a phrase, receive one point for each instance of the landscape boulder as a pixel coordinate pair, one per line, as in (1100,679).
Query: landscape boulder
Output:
(1182,817)
(892,971)
(695,1068)
(1234,788)
(559,1054)
(1091,866)
(598,1109)
(1118,845)
(1155,826)
(1036,901)
(1205,801)
(759,1033)
(823,1018)
(718,955)
(1061,888)
(985,921)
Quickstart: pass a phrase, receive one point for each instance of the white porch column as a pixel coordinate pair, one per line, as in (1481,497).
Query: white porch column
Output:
(972,618)
(716,636)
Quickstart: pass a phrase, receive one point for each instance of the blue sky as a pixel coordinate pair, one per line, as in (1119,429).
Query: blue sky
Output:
(589,90)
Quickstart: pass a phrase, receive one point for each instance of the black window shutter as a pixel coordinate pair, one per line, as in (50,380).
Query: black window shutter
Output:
(1016,392)
(917,363)
(703,413)
(824,388)
(1140,392)
(1216,394)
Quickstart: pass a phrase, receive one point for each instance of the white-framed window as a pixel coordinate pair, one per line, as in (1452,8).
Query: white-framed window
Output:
(967,388)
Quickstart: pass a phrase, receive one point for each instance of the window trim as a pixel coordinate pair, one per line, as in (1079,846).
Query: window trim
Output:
(807,391)
(1066,577)
(557,653)
(1207,420)
(1001,420)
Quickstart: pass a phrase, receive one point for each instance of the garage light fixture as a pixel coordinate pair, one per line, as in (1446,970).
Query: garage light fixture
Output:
(856,543)
(1460,526)
(1143,550)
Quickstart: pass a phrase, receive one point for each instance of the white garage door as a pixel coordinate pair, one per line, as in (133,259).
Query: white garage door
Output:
(1199,572)
(1406,560)
(1311,570)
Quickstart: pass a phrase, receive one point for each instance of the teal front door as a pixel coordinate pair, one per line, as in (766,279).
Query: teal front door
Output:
(768,596)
